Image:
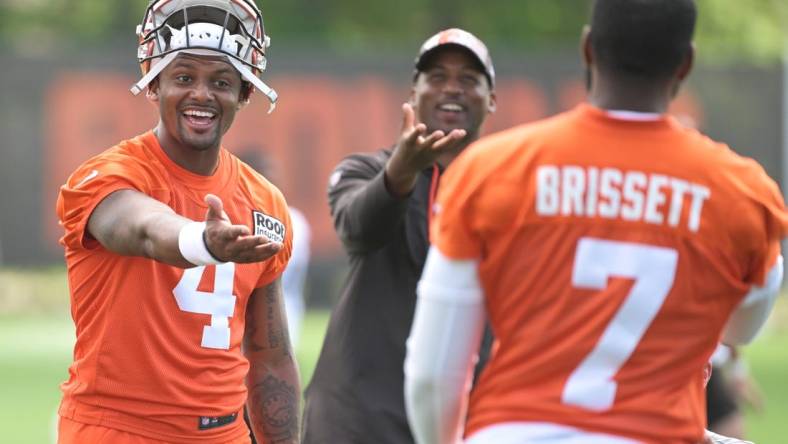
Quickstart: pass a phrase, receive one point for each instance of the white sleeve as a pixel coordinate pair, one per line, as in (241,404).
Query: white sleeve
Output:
(442,348)
(749,317)
(294,276)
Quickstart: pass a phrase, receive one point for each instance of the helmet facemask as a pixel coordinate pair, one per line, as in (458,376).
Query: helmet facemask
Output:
(232,28)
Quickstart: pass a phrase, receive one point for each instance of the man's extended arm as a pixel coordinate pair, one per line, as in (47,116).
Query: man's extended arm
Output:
(367,192)
(131,223)
(364,212)
(273,382)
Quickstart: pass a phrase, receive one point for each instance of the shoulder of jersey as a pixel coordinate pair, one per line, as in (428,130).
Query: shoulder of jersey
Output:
(248,173)
(744,170)
(122,158)
(719,152)
(729,166)
(130,148)
(252,178)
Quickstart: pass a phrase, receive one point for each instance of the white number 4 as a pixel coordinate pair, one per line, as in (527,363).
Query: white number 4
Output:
(591,385)
(220,304)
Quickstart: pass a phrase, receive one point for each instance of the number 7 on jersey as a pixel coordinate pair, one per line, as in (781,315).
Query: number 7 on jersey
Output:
(591,384)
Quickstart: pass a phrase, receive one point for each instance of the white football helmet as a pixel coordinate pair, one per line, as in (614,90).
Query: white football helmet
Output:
(233,28)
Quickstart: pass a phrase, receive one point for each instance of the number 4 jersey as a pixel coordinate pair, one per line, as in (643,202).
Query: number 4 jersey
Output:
(158,349)
(612,253)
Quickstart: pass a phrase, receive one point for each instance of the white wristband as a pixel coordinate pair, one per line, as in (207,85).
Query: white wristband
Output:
(192,245)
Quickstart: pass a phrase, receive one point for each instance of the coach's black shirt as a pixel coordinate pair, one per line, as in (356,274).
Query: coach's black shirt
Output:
(357,391)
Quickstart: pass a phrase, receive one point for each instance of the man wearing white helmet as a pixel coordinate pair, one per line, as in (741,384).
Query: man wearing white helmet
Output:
(174,250)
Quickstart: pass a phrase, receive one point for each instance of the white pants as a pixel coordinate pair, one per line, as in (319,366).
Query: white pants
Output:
(541,433)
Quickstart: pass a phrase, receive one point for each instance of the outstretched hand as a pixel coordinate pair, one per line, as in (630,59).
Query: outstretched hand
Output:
(416,150)
(233,243)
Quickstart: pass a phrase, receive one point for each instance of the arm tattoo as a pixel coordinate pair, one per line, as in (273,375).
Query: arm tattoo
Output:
(278,417)
(276,329)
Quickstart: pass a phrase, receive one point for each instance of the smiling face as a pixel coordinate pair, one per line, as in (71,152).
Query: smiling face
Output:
(198,97)
(452,92)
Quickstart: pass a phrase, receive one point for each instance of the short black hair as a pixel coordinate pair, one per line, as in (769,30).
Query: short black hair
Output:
(642,38)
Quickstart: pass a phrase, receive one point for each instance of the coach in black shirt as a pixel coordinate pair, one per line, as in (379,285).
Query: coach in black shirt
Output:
(380,203)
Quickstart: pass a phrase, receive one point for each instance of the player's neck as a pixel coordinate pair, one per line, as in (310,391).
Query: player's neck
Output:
(198,161)
(615,94)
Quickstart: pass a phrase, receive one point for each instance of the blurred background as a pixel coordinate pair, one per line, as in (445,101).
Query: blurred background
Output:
(341,68)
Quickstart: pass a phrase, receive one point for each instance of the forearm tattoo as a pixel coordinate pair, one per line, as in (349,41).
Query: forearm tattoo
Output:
(278,336)
(275,406)
(275,334)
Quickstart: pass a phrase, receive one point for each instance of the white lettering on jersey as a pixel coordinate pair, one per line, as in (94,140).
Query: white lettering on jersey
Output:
(655,198)
(680,188)
(547,190)
(591,195)
(608,190)
(634,183)
(610,193)
(699,195)
(573,186)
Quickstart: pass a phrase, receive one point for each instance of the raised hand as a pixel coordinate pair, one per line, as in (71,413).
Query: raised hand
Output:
(233,243)
(416,150)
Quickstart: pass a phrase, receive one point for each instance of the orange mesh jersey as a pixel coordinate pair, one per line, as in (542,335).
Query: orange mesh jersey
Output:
(158,349)
(612,254)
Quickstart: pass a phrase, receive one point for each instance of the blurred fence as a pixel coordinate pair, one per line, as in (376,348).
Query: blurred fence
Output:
(59,109)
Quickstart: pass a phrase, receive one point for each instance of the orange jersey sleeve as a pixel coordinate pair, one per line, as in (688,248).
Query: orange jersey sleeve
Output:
(611,254)
(764,193)
(91,183)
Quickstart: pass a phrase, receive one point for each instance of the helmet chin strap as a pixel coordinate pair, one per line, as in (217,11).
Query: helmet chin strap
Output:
(155,70)
(259,84)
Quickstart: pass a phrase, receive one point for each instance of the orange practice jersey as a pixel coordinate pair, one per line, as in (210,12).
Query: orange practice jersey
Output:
(612,255)
(158,349)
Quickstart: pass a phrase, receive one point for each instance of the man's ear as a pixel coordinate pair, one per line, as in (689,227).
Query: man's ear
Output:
(245,95)
(153,91)
(586,51)
(492,103)
(686,65)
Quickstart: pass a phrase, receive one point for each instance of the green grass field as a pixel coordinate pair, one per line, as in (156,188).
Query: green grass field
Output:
(36,336)
(35,352)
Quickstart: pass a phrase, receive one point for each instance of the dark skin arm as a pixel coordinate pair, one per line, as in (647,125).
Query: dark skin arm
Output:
(131,223)
(416,150)
(273,380)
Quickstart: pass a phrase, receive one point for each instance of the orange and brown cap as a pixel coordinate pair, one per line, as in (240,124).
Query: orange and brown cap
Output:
(461,38)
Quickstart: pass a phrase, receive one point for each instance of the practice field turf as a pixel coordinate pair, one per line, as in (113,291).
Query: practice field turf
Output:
(35,350)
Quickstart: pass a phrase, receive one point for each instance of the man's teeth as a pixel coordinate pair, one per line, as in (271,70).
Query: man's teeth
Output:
(451,107)
(195,113)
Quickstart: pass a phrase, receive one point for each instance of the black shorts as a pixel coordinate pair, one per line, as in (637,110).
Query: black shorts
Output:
(720,399)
